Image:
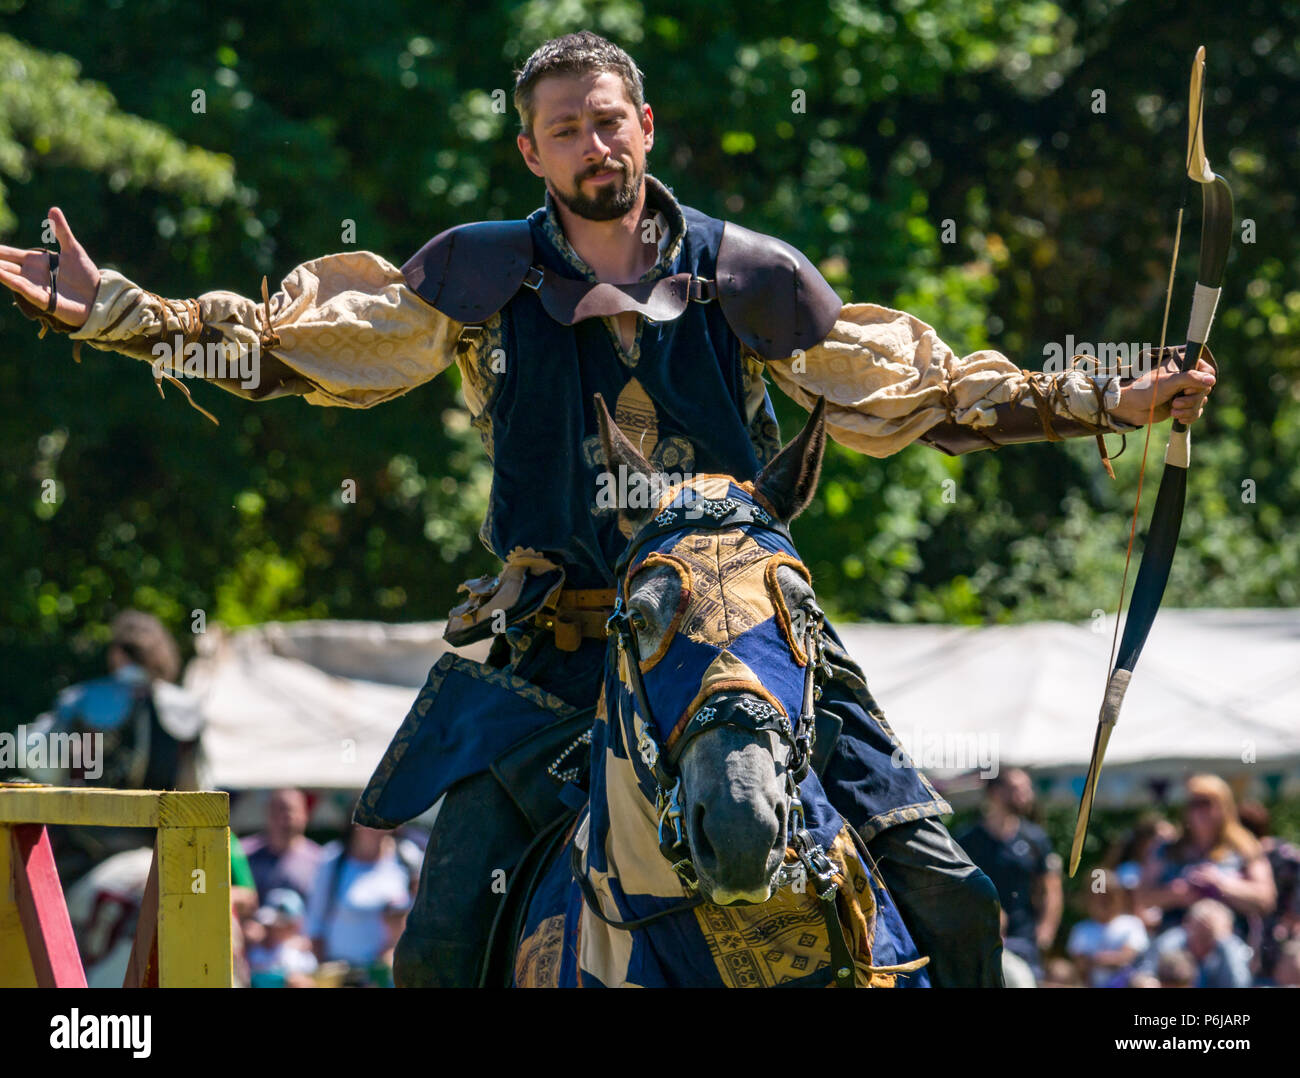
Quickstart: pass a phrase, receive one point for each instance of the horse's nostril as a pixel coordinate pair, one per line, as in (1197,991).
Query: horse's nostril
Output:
(781,809)
(703,847)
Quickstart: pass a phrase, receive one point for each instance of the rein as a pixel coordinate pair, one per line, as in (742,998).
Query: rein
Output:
(812,862)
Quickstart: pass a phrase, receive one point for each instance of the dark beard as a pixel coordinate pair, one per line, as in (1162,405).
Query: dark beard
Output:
(611,203)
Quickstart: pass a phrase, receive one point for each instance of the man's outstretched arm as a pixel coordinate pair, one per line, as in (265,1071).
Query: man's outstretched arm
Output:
(889,380)
(343,329)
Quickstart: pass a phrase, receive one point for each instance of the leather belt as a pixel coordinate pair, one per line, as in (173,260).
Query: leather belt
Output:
(576,614)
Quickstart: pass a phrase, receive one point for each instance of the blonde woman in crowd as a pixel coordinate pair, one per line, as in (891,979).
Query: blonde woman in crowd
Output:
(1214,856)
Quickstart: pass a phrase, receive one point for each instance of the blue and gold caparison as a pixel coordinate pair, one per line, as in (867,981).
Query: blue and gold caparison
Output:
(730,631)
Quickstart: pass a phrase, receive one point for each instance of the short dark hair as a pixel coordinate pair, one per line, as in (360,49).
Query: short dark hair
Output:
(147,643)
(574,54)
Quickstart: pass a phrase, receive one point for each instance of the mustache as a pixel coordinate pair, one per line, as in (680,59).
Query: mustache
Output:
(612,166)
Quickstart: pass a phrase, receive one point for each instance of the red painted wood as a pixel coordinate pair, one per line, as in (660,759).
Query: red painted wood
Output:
(142,967)
(43,913)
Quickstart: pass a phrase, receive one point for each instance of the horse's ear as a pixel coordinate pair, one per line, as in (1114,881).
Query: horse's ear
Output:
(639,475)
(790,479)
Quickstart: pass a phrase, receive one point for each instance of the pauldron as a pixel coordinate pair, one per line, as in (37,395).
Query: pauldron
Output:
(772,297)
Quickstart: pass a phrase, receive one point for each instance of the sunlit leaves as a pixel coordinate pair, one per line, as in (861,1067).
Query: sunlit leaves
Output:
(47,110)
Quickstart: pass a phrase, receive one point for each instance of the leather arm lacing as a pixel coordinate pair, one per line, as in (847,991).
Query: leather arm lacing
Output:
(1045,389)
(189,323)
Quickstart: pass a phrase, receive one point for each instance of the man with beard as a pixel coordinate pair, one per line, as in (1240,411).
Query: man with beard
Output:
(613,287)
(1016,854)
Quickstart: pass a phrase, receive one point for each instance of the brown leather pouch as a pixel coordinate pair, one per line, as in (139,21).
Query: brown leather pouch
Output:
(526,582)
(575,614)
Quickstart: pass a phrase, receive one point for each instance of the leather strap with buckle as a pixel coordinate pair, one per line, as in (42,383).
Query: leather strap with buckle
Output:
(576,614)
(772,297)
(569,301)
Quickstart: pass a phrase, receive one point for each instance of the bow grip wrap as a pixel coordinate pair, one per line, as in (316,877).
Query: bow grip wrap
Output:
(1204,302)
(1116,687)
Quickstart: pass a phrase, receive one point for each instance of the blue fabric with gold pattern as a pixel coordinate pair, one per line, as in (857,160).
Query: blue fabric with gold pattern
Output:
(466,715)
(731,629)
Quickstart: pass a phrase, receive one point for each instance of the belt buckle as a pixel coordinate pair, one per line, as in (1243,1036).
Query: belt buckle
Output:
(699,288)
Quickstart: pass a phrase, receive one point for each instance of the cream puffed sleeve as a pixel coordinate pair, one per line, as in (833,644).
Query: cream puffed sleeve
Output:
(889,380)
(342,330)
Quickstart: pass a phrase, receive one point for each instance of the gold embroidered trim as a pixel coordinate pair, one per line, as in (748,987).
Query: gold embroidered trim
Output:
(778,600)
(684,572)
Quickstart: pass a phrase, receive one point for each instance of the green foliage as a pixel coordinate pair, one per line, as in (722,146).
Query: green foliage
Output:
(854,132)
(52,114)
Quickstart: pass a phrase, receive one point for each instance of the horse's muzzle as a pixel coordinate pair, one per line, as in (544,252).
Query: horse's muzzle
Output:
(735,807)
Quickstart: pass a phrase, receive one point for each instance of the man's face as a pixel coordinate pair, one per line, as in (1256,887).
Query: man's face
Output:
(1021,791)
(1017,792)
(589,144)
(286,813)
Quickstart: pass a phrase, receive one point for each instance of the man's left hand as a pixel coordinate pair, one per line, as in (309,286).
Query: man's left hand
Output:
(1178,395)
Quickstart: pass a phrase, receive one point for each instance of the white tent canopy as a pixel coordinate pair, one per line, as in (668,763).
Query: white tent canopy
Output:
(315,703)
(1214,690)
(310,703)
(1210,686)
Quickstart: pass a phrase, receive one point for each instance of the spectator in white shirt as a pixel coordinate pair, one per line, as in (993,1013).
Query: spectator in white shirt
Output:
(358,880)
(284,956)
(1112,938)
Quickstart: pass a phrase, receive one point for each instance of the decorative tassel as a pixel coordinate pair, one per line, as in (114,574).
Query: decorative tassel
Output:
(1105,456)
(159,375)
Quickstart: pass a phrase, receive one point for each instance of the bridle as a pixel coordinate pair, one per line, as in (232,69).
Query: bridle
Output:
(812,863)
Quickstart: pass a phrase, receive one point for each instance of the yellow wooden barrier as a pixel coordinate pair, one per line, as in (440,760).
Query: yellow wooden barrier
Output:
(15,963)
(191,869)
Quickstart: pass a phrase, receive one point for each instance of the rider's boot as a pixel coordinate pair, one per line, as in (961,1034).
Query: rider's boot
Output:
(949,906)
(477,838)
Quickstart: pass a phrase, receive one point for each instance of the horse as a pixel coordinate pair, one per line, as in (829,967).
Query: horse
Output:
(707,853)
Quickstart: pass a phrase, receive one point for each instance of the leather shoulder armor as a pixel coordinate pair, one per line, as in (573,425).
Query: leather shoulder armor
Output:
(773,298)
(471,271)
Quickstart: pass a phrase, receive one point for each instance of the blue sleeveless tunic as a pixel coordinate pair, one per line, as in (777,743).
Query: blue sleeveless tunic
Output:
(688,397)
(681,393)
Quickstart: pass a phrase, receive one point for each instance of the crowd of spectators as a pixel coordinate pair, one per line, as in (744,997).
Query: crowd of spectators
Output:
(320,916)
(1210,901)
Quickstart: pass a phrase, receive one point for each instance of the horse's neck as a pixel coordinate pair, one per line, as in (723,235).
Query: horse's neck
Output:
(632,840)
(623,827)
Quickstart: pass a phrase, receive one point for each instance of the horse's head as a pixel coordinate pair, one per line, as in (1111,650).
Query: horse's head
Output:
(721,614)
